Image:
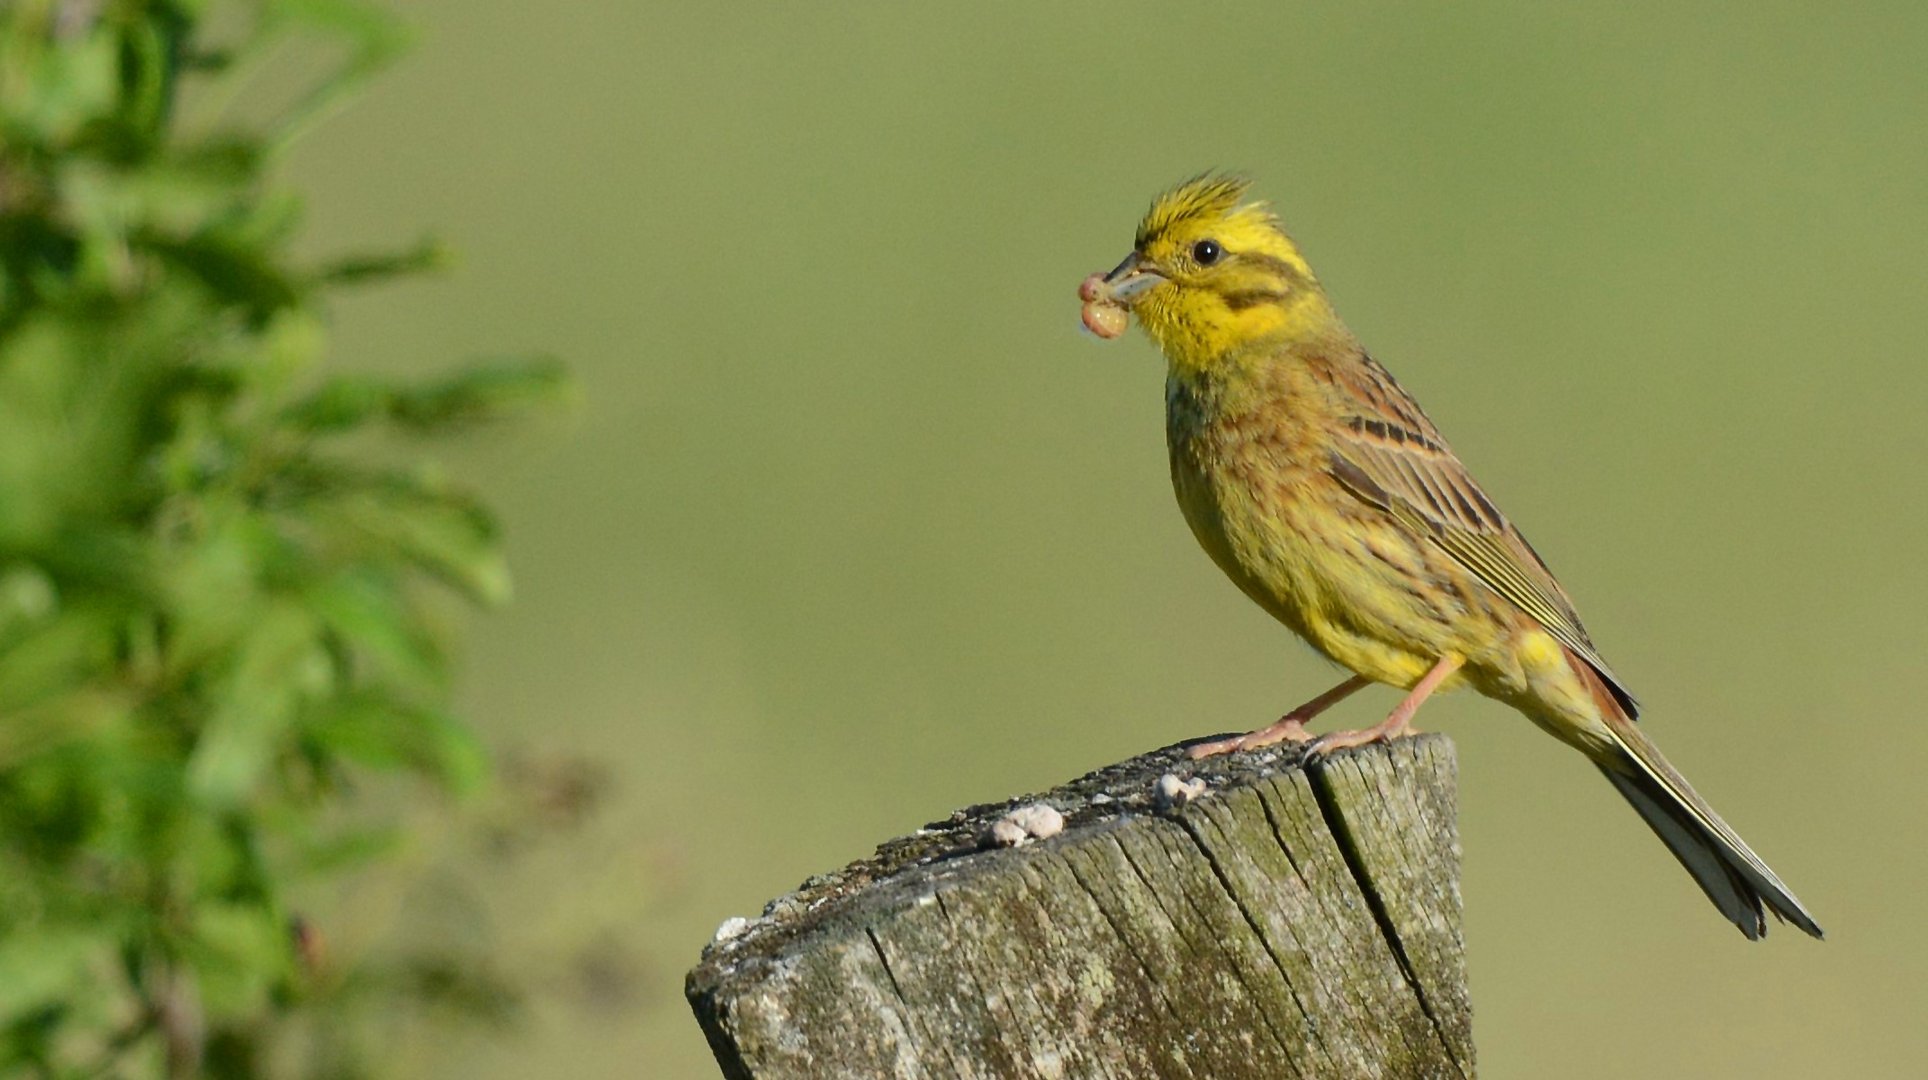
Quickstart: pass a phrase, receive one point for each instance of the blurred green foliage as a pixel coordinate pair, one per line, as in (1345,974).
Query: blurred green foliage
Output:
(223,600)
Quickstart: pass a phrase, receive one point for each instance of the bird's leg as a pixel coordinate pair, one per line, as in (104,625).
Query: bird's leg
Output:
(1290,727)
(1394,725)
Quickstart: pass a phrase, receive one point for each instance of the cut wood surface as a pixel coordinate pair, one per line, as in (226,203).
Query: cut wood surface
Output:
(1229,918)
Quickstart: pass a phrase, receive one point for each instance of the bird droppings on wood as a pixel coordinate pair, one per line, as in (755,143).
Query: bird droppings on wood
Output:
(1174,792)
(1005,833)
(1293,924)
(1034,821)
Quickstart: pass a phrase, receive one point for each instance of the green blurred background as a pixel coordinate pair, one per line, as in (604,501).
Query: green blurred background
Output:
(854,526)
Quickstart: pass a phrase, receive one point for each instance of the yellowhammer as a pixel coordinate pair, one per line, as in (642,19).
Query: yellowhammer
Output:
(1320,487)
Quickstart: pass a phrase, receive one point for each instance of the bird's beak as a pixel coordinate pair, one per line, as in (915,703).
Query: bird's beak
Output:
(1126,282)
(1108,298)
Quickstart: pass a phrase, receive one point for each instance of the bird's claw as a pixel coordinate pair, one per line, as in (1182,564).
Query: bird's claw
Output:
(1289,728)
(1346,740)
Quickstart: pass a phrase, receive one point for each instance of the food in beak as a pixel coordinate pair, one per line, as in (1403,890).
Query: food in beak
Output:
(1103,314)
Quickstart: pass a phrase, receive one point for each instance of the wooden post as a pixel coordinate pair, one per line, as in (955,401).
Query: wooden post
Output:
(1277,922)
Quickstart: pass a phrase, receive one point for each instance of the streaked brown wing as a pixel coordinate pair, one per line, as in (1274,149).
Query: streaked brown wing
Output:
(1393,457)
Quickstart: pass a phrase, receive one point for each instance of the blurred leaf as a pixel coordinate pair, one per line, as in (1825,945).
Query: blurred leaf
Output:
(377,36)
(237,274)
(471,397)
(239,951)
(450,539)
(480,394)
(364,612)
(54,658)
(382,733)
(213,586)
(35,728)
(275,664)
(63,87)
(428,255)
(348,850)
(376,39)
(46,965)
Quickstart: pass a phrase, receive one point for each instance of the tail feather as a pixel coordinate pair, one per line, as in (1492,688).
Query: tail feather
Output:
(1729,892)
(1722,864)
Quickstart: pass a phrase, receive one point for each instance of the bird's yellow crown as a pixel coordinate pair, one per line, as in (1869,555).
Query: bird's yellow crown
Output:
(1233,278)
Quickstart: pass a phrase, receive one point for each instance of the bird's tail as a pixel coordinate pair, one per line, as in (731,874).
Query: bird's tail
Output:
(1724,867)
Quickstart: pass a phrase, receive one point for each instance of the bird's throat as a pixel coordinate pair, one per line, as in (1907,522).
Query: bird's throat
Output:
(1211,337)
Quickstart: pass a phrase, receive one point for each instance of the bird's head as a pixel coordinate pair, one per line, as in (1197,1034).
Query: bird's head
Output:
(1208,273)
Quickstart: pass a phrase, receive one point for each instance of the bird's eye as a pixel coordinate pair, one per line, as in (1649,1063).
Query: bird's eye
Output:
(1206,252)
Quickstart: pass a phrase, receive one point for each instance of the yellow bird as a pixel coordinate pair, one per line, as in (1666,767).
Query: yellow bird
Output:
(1317,484)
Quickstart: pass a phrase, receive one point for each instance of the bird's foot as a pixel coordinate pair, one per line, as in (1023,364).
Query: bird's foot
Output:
(1396,723)
(1346,740)
(1289,728)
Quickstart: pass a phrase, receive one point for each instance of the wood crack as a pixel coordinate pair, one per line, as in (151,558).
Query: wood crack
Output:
(1200,920)
(1349,848)
(1151,975)
(1251,921)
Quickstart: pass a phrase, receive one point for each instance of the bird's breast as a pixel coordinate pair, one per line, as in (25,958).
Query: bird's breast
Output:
(1239,479)
(1254,488)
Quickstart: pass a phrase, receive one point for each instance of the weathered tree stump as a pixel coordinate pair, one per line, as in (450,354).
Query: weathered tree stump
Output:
(1283,922)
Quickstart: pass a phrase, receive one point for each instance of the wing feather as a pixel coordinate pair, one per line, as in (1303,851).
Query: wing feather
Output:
(1404,467)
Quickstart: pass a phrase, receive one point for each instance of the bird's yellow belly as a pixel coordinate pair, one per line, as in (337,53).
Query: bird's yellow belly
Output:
(1352,584)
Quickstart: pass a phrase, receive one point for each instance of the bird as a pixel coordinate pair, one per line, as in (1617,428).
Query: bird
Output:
(1319,486)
